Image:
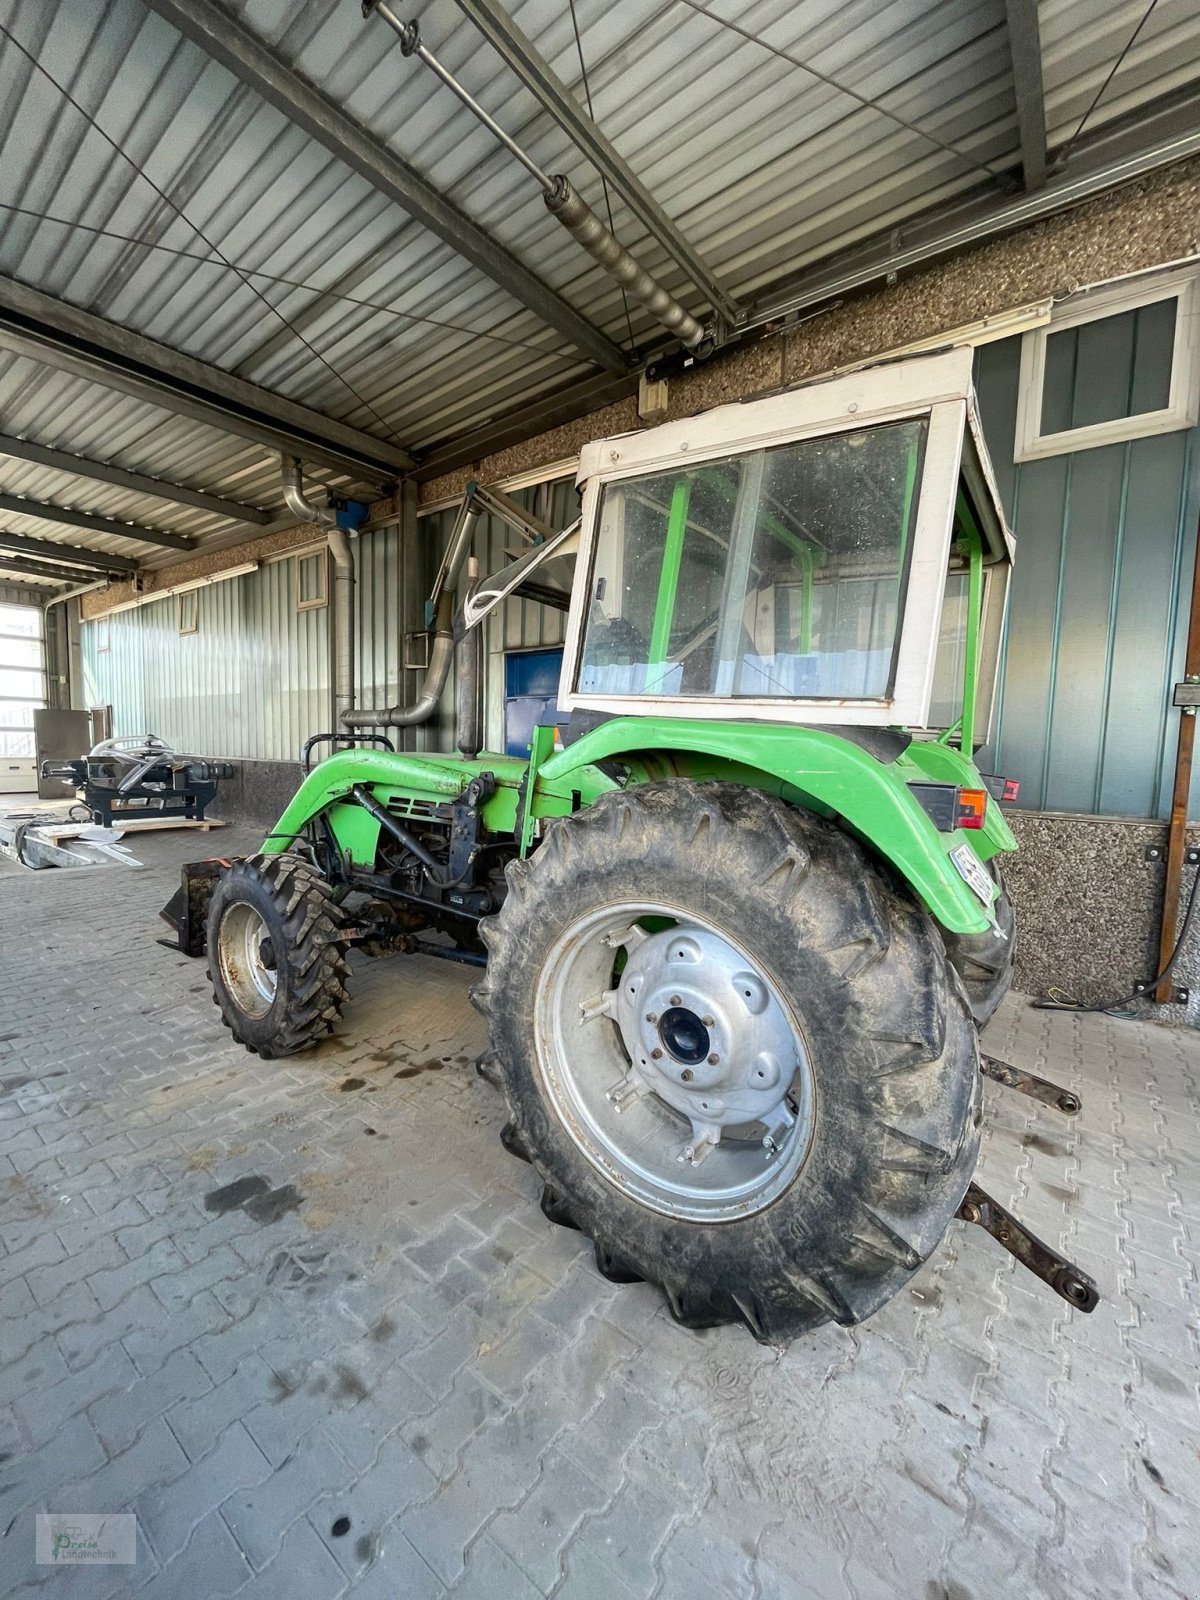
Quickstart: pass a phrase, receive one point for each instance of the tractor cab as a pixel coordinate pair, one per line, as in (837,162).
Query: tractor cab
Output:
(833,556)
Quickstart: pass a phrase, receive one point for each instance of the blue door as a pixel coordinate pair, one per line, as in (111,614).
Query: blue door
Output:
(530,695)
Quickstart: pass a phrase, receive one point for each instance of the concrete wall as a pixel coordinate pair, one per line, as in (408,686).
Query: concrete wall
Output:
(258,792)
(1089,908)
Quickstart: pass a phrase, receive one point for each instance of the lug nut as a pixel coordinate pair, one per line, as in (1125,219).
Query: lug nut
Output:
(714,1059)
(708,1022)
(656,1053)
(675,1000)
(652,1017)
(687,1074)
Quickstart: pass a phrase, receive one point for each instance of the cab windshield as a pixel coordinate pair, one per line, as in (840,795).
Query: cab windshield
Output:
(774,573)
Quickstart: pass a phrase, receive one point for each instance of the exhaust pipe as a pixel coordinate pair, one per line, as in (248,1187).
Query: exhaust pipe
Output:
(432,685)
(439,616)
(468,680)
(343,584)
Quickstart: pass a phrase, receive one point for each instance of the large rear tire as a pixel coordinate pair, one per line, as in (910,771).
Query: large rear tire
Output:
(796,966)
(984,961)
(276,955)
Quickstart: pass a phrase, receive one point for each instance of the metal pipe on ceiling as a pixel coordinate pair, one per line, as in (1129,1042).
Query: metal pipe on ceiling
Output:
(256,64)
(535,72)
(563,203)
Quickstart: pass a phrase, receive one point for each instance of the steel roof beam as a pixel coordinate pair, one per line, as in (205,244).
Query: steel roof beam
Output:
(1025,47)
(536,73)
(43,569)
(241,52)
(524,422)
(1166,134)
(68,517)
(60,335)
(19,544)
(1159,137)
(139,482)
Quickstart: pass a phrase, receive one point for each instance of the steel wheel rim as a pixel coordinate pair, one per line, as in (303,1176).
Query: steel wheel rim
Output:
(249,980)
(714,1056)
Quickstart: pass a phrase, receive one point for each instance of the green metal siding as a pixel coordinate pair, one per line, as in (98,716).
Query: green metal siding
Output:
(1097,611)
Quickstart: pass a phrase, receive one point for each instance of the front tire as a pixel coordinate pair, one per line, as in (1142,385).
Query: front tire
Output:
(796,965)
(277,958)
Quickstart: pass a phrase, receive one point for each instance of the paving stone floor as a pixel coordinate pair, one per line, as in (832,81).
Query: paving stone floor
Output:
(387,1334)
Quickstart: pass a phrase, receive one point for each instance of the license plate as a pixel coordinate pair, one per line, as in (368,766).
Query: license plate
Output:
(973,873)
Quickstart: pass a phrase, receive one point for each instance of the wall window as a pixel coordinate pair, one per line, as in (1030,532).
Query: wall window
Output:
(189,611)
(310,581)
(1120,364)
(103,635)
(22,677)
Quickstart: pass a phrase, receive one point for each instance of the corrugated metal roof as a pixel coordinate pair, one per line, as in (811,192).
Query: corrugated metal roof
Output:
(714,103)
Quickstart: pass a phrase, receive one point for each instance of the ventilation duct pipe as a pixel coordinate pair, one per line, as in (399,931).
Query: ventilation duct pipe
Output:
(574,213)
(440,615)
(343,585)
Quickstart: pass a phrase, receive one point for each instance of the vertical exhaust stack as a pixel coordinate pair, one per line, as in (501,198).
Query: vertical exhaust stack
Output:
(343,584)
(441,619)
(468,681)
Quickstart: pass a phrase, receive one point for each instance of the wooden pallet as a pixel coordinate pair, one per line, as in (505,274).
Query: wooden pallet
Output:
(56,832)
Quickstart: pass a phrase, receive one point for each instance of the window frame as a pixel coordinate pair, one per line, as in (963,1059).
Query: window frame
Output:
(1183,407)
(188,598)
(321,557)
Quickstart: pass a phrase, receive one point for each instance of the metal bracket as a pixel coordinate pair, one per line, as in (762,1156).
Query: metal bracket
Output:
(1157,852)
(1179,996)
(1051,1094)
(1063,1276)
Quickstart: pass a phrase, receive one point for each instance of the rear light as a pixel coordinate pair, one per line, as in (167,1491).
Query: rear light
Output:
(948,807)
(1005,790)
(972,807)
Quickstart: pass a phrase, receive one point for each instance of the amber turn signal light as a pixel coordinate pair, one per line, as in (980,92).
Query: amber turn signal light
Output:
(972,806)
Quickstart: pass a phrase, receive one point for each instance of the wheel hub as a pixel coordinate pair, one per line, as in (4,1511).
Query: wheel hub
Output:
(705,1034)
(684,1035)
(676,1064)
(247,959)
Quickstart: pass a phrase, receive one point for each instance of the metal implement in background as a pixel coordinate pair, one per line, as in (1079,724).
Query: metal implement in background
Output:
(571,210)
(140,776)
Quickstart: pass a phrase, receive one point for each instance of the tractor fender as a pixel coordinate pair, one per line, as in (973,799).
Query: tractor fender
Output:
(821,772)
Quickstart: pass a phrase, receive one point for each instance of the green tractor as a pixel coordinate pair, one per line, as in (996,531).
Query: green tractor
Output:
(739,914)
